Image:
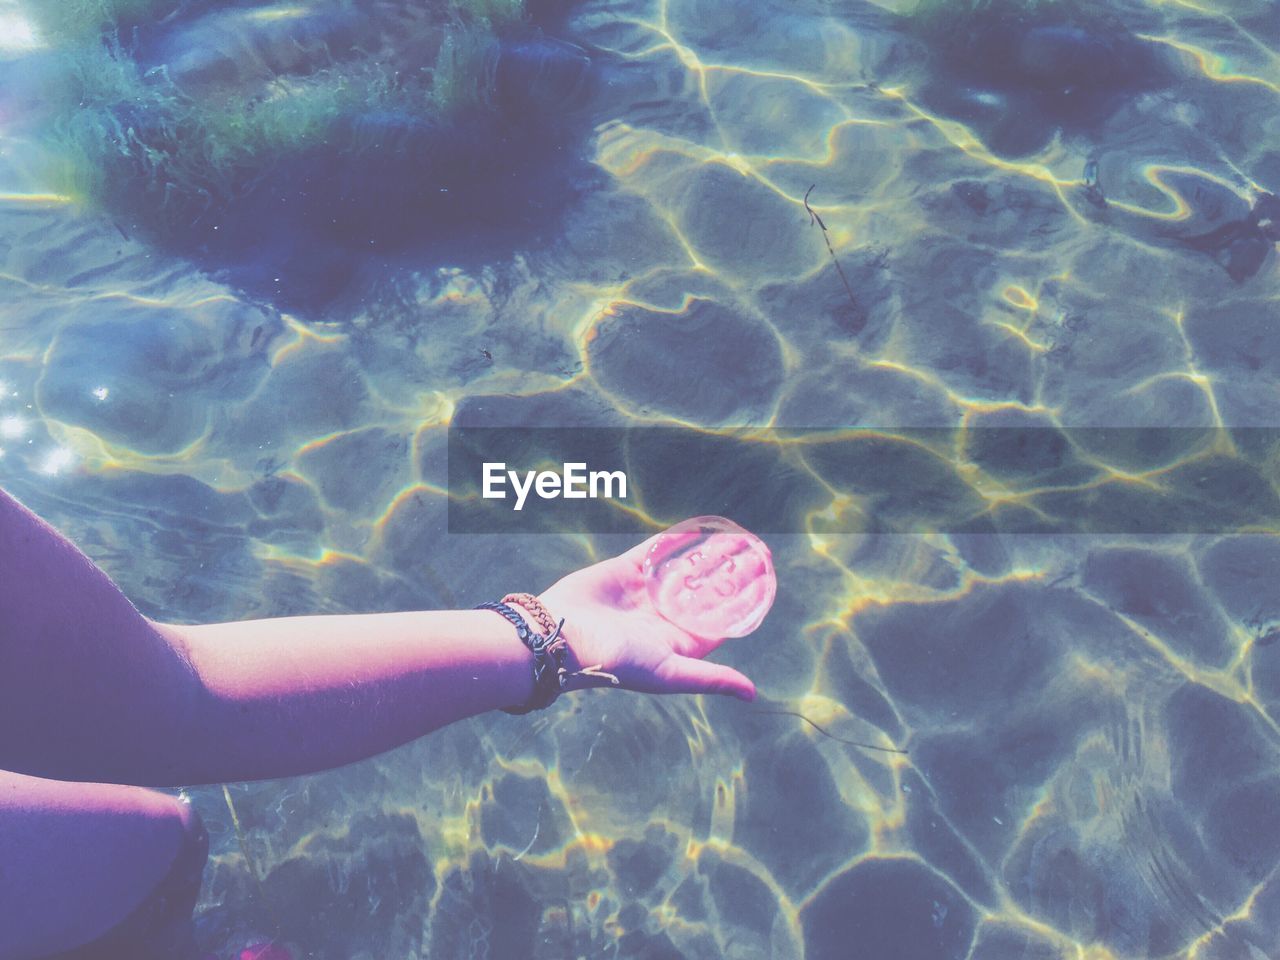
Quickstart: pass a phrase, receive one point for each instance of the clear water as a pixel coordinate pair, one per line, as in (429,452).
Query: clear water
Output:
(1015,228)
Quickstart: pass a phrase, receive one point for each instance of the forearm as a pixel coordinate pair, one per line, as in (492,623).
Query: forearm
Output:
(298,694)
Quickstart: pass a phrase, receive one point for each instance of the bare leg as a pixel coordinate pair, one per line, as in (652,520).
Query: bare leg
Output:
(95,871)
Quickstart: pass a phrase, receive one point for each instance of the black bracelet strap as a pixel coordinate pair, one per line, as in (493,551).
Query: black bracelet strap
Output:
(549,652)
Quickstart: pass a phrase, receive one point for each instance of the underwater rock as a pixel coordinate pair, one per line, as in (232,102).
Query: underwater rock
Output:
(1063,59)
(707,363)
(1264,670)
(1214,745)
(837,391)
(522,814)
(1088,892)
(1024,450)
(1241,571)
(936,840)
(1236,232)
(638,865)
(541,73)
(292,149)
(1149,890)
(768,490)
(988,778)
(892,909)
(742,899)
(364,889)
(999,941)
(1161,592)
(359,472)
(1019,72)
(484,909)
(820,831)
(1241,247)
(217,351)
(976,655)
(1244,825)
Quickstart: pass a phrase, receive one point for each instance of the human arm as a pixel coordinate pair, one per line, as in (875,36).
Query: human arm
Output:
(91,689)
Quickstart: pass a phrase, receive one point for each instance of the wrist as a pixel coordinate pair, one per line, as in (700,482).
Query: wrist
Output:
(579,674)
(554,663)
(585,669)
(504,661)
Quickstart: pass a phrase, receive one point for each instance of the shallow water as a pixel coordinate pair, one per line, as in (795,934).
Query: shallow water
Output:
(1092,718)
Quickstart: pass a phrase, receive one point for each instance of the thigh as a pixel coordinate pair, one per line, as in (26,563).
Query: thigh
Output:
(87,864)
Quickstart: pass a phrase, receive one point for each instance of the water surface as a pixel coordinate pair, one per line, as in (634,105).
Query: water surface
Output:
(1073,239)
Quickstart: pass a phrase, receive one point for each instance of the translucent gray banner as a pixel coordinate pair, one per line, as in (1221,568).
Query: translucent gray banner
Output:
(901,481)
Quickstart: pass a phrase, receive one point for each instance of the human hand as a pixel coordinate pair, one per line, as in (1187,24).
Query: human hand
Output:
(611,624)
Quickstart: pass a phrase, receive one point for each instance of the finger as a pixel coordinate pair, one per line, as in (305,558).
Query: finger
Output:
(687,675)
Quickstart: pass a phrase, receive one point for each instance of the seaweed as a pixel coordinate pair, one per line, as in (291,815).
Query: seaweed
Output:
(77,20)
(424,120)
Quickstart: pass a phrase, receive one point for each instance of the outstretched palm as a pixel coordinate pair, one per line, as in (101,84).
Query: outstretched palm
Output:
(611,623)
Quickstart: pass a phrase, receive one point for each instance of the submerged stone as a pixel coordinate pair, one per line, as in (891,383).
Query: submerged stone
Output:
(366,887)
(997,940)
(707,363)
(1242,246)
(1215,744)
(483,909)
(890,909)
(819,833)
(541,73)
(1160,591)
(1020,71)
(1244,825)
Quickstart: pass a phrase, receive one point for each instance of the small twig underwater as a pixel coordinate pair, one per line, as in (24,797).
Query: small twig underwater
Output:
(536,827)
(815,218)
(825,733)
(249,861)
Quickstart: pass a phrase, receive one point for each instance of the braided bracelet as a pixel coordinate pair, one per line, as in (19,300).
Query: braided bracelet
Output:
(532,604)
(550,650)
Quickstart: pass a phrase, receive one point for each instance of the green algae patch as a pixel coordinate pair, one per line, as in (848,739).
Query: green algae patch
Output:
(130,139)
(299,150)
(63,20)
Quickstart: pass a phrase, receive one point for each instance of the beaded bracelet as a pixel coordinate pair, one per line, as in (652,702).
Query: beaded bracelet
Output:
(550,650)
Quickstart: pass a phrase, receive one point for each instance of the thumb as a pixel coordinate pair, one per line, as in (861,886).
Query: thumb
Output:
(687,675)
